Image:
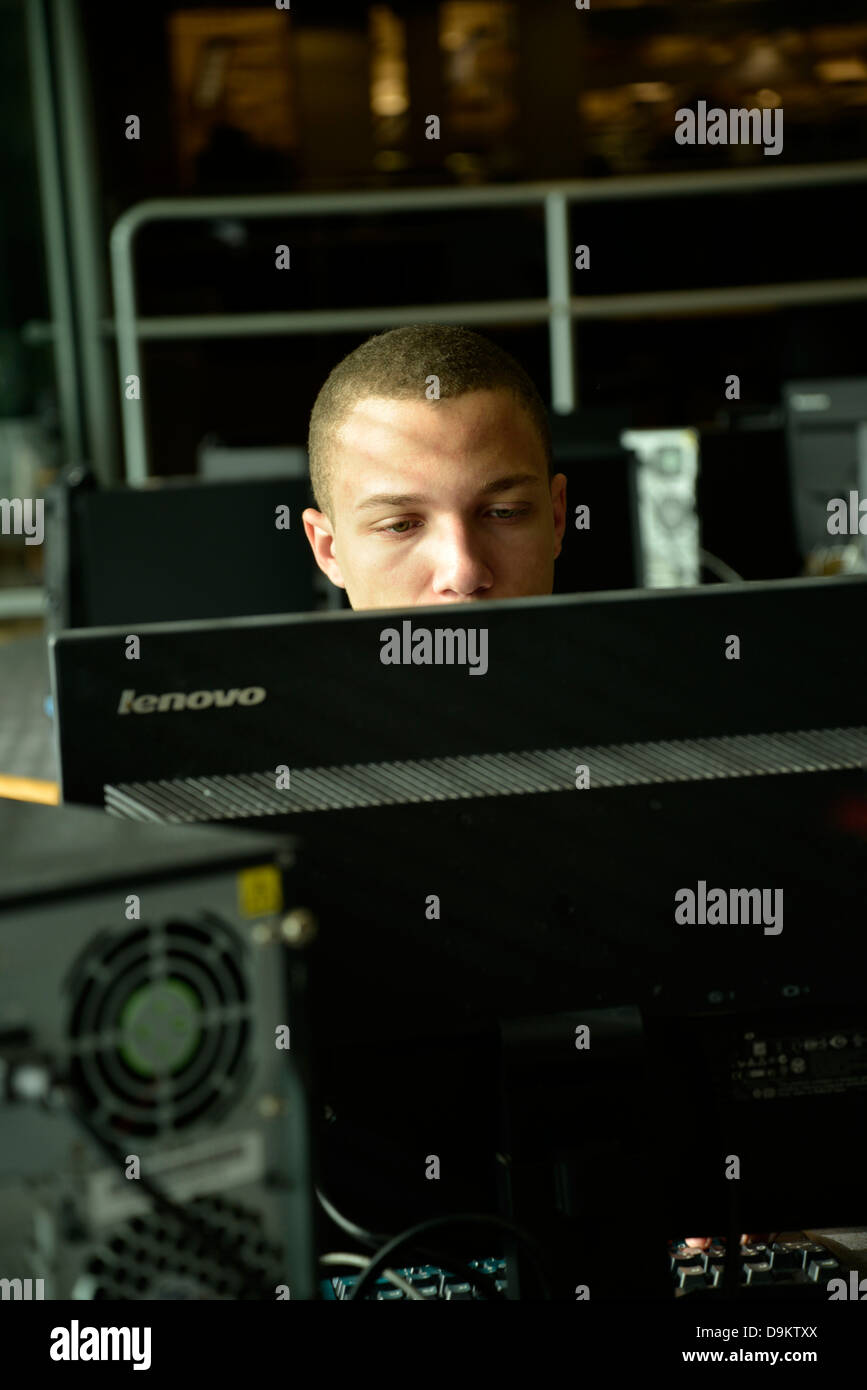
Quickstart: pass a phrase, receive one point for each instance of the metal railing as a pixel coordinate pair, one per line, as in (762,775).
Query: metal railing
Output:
(559,309)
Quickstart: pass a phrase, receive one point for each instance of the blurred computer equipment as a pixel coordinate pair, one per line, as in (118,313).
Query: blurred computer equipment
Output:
(220,462)
(824,423)
(177,550)
(744,495)
(668,525)
(151,1009)
(601,544)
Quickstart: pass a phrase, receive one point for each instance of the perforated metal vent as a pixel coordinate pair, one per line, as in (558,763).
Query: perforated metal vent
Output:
(234,796)
(155,1257)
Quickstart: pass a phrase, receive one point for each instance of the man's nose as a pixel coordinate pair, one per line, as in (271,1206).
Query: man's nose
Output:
(459,565)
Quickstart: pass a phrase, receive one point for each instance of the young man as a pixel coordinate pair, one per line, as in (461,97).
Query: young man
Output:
(431,466)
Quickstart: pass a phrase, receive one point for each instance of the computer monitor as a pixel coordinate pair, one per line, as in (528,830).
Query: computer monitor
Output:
(823,420)
(317,691)
(602,544)
(470,885)
(180,548)
(745,455)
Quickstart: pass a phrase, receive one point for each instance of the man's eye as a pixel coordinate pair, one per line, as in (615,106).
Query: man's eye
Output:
(401,528)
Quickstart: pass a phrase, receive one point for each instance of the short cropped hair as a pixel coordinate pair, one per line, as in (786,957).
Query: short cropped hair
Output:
(395,365)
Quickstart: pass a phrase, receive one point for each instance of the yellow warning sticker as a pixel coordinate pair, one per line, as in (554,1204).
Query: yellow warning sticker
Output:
(260,891)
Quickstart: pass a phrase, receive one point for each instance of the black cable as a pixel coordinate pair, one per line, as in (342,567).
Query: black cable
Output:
(410,1238)
(723,572)
(364,1237)
(433,1253)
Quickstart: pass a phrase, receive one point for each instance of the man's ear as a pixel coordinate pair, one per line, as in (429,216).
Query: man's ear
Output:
(320,534)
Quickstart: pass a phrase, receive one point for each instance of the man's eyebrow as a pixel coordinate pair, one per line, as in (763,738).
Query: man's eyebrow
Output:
(406,499)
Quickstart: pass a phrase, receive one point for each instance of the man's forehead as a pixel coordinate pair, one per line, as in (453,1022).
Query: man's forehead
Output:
(387,450)
(378,423)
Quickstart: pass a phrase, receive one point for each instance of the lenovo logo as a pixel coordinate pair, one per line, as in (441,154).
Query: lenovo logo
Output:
(130,703)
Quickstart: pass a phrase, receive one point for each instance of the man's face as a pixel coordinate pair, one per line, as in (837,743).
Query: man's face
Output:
(442,501)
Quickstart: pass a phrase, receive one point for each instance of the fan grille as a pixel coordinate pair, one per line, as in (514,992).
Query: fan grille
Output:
(159,1025)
